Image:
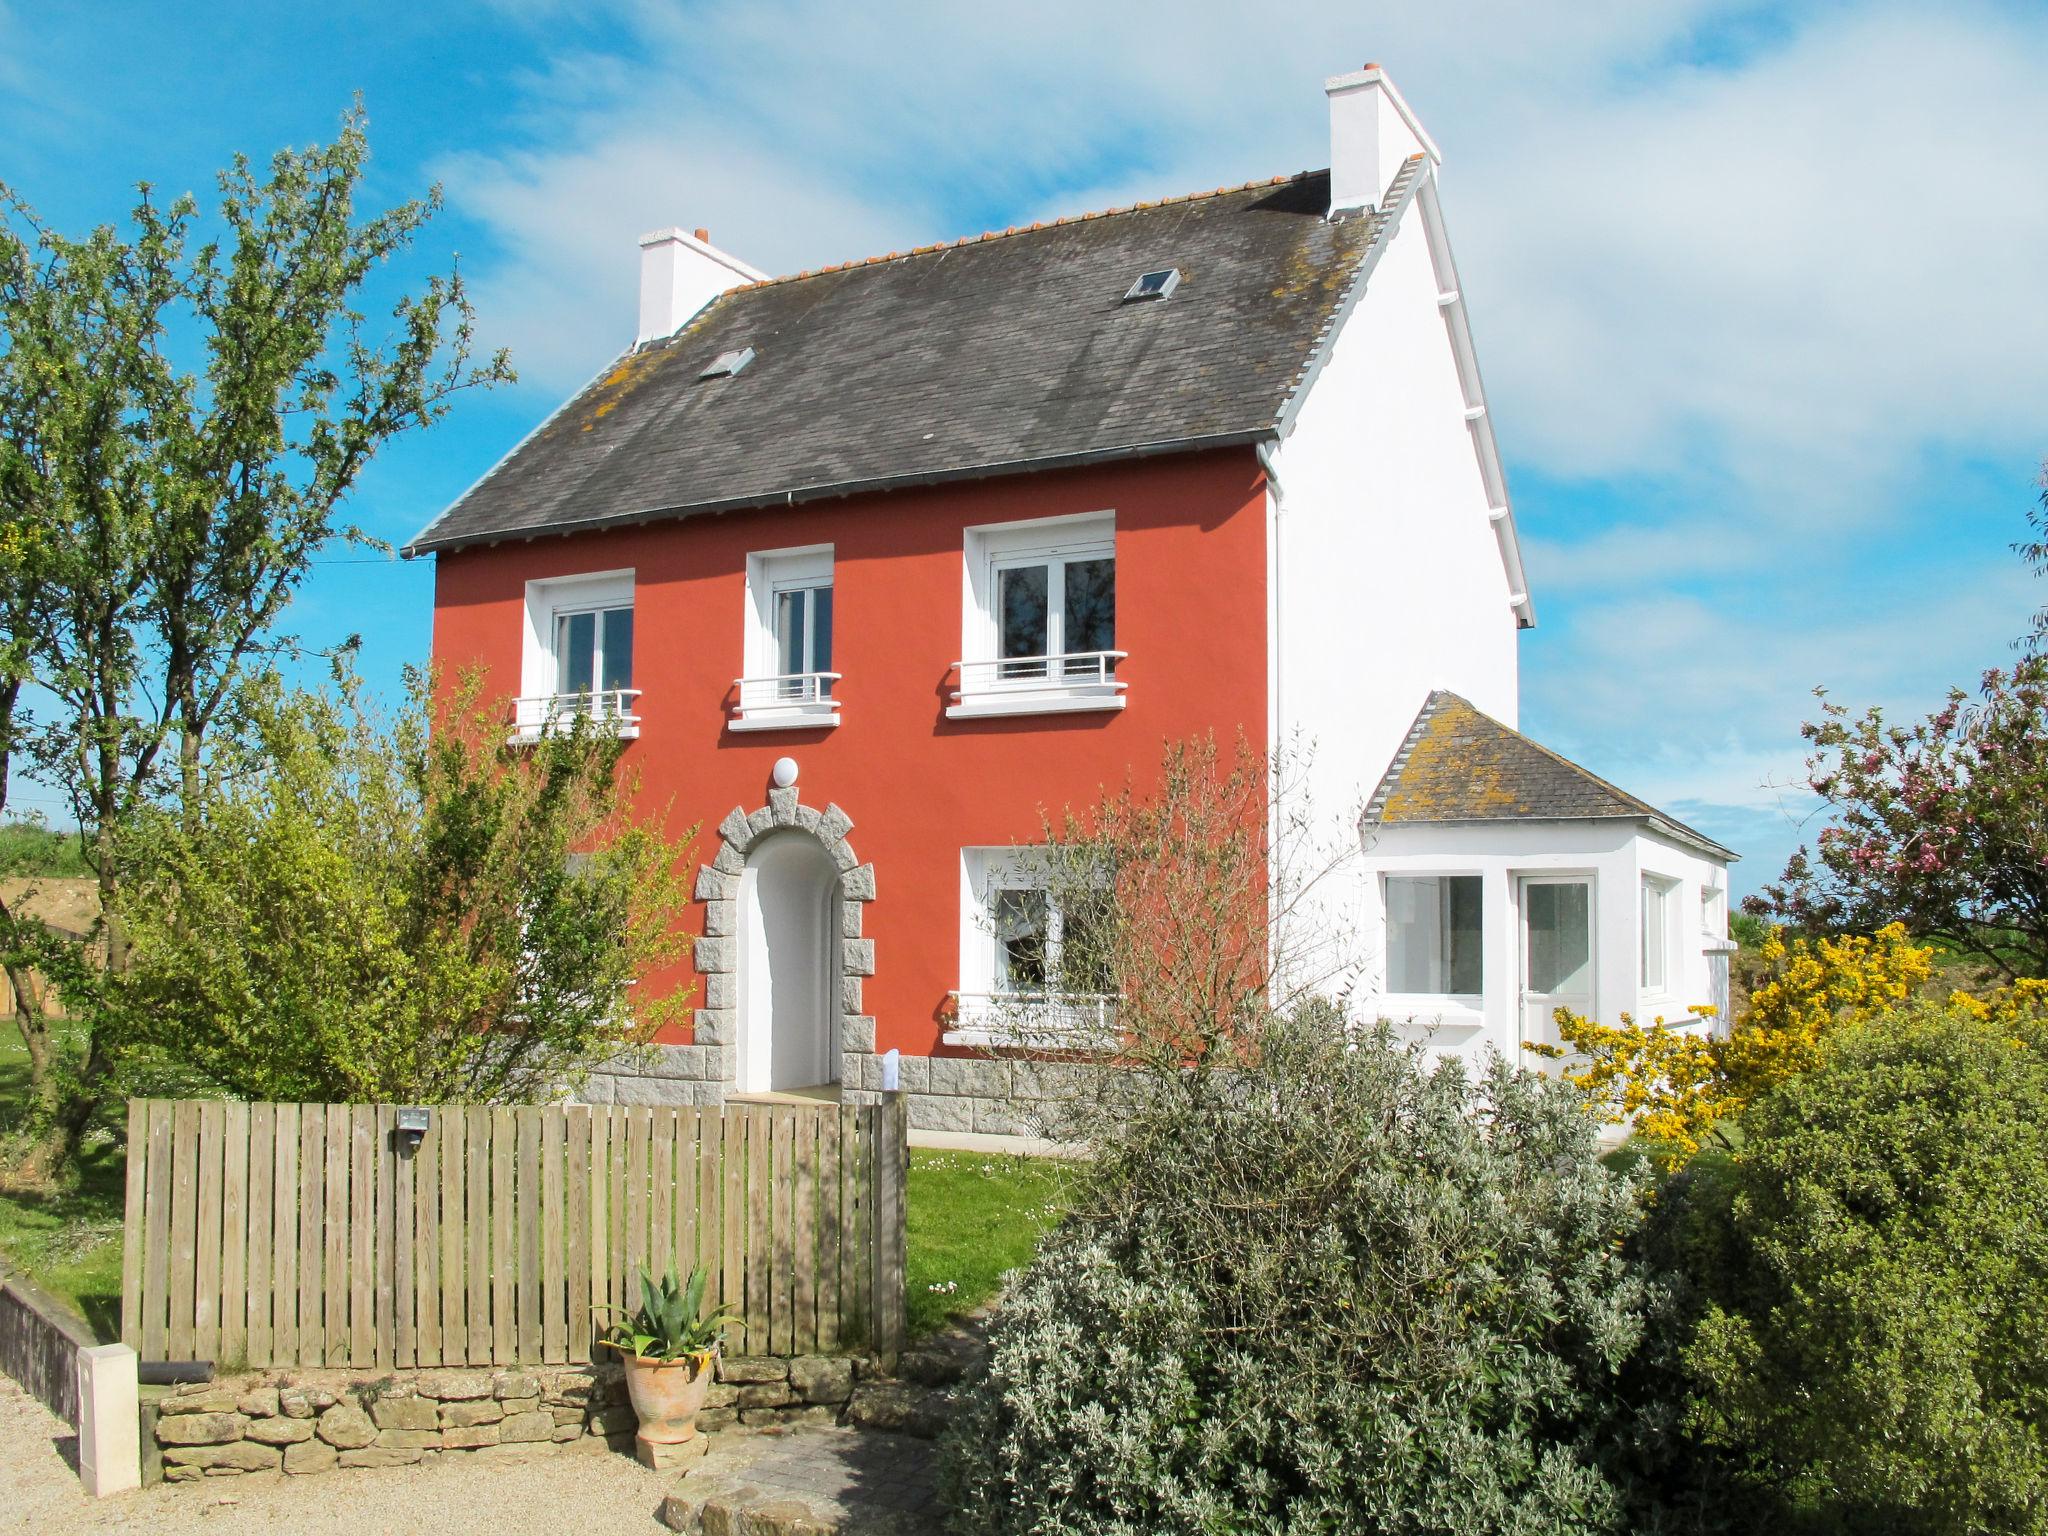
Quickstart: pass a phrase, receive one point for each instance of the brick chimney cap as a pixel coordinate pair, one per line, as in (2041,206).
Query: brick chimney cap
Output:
(704,235)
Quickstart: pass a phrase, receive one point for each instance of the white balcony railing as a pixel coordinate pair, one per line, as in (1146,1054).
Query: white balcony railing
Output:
(1022,685)
(613,708)
(1073,1021)
(786,702)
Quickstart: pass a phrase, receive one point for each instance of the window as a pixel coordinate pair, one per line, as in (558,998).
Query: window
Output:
(726,364)
(594,650)
(1030,962)
(1659,902)
(1154,285)
(1040,628)
(789,681)
(1434,933)
(578,656)
(1055,617)
(803,633)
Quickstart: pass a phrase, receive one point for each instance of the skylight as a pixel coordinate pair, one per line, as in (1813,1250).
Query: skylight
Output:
(726,364)
(1155,285)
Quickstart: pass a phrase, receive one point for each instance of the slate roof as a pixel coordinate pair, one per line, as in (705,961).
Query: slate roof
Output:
(986,356)
(1460,765)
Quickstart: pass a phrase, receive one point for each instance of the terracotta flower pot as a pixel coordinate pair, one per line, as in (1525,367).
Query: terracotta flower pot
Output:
(666,1394)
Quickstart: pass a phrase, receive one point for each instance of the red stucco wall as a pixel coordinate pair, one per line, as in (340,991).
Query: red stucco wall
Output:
(1191,611)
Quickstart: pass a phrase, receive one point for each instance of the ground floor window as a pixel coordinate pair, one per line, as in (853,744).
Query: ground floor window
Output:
(1659,903)
(1434,934)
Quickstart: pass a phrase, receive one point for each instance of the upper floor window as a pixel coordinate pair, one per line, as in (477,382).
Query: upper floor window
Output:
(594,650)
(1040,618)
(577,659)
(788,643)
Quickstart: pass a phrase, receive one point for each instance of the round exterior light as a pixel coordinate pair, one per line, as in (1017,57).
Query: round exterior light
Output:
(784,772)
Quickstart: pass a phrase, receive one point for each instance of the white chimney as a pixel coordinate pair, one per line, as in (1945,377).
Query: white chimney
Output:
(679,274)
(1371,133)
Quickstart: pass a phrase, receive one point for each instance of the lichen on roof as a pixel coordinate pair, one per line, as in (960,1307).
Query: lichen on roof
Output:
(1459,764)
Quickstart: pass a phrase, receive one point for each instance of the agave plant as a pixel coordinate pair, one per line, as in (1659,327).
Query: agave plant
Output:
(671,1323)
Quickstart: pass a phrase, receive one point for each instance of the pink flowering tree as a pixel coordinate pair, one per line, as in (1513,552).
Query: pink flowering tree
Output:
(1941,825)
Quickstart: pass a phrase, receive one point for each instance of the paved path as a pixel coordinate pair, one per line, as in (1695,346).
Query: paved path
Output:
(810,1482)
(555,1492)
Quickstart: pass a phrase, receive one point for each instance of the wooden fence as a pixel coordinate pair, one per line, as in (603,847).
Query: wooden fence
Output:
(314,1235)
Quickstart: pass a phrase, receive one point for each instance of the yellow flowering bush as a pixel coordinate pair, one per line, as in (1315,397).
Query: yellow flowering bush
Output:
(1676,1084)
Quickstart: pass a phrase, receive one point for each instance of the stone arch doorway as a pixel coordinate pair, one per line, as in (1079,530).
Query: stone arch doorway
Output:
(786,889)
(788,939)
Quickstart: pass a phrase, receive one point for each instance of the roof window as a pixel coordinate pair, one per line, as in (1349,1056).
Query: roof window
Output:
(726,364)
(1155,285)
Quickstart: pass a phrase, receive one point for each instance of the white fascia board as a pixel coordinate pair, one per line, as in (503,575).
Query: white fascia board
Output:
(406,550)
(1458,323)
(705,249)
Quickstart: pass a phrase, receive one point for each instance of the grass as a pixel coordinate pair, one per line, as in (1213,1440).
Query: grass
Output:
(68,1241)
(970,1218)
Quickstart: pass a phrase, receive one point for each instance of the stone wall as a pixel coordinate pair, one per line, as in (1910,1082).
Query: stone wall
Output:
(39,1343)
(306,1422)
(988,1094)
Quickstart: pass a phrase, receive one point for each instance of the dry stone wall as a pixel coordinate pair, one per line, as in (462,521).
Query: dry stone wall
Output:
(305,1422)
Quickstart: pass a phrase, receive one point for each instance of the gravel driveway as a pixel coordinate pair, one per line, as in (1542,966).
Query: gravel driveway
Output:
(591,1495)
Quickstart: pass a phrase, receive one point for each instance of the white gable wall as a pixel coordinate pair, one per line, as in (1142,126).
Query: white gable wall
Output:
(1385,577)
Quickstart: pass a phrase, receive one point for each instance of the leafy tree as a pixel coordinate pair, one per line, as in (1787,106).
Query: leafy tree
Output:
(1870,1283)
(1191,908)
(158,517)
(353,911)
(1937,825)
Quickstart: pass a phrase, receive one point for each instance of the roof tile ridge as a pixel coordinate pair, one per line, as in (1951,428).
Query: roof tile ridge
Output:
(1025,229)
(1376,807)
(1400,191)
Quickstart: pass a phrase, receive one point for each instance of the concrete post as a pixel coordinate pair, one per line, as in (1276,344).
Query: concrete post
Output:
(109,1433)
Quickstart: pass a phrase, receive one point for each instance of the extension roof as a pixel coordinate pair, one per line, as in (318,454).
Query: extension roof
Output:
(1011,350)
(1460,765)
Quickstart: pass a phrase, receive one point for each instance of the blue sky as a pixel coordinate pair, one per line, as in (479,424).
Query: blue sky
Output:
(1757,289)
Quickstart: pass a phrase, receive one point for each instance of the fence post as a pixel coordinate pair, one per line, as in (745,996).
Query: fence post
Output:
(109,1421)
(891,1164)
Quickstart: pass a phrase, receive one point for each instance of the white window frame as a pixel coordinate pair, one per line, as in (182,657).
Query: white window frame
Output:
(1422,1004)
(540,705)
(988,551)
(766,698)
(986,1013)
(1663,943)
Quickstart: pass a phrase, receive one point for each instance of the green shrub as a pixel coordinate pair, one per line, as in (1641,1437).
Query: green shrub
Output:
(1338,1288)
(1870,1349)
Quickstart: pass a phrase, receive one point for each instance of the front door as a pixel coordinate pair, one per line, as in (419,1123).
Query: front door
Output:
(1557,956)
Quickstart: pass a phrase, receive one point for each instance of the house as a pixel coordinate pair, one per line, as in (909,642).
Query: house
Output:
(875,563)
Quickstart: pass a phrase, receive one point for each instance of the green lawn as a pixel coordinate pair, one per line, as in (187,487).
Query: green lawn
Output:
(68,1243)
(971,1217)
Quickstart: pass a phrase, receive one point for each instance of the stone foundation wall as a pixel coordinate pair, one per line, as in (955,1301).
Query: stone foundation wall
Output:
(989,1095)
(306,1422)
